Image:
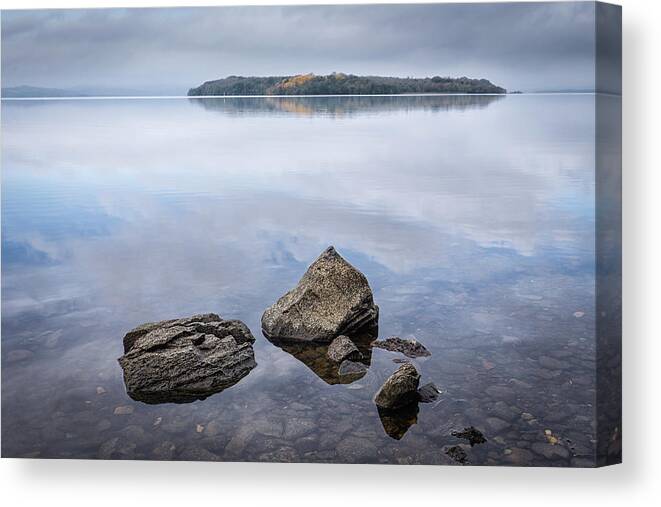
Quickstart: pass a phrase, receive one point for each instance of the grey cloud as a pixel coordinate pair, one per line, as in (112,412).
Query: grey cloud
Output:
(529,46)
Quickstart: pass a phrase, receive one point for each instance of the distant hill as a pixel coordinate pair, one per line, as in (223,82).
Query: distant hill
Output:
(79,91)
(341,84)
(16,92)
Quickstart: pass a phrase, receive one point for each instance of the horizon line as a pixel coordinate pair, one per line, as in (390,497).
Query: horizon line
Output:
(155,97)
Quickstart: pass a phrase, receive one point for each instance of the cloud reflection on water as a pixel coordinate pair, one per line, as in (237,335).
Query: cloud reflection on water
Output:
(425,186)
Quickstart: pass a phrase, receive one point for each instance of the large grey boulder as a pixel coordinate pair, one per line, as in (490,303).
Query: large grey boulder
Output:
(331,299)
(400,389)
(186,359)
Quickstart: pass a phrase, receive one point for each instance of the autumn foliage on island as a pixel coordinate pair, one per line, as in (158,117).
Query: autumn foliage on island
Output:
(341,84)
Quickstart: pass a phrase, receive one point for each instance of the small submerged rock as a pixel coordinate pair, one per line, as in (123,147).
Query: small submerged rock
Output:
(550,363)
(342,348)
(550,451)
(123,410)
(117,448)
(458,454)
(103,425)
(488,365)
(297,427)
(519,457)
(428,393)
(164,451)
(332,298)
(400,389)
(550,437)
(410,348)
(186,359)
(353,449)
(195,453)
(284,454)
(496,424)
(472,434)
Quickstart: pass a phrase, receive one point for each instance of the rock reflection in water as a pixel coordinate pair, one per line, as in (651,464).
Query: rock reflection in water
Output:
(179,397)
(344,106)
(315,356)
(397,422)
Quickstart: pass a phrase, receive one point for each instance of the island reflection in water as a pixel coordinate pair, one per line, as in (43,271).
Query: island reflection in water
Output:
(474,225)
(344,106)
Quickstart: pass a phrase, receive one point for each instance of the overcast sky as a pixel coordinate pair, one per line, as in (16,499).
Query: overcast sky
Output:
(536,46)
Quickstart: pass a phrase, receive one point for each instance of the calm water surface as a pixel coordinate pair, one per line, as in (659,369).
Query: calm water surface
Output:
(472,217)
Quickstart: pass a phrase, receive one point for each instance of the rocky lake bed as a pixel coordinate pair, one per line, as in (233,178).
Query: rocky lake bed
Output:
(177,371)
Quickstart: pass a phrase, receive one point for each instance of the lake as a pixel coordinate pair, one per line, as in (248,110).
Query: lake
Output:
(472,217)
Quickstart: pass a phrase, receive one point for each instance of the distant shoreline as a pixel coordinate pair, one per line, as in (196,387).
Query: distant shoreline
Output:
(194,97)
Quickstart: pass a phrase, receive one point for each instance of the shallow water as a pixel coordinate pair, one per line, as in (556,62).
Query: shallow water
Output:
(472,217)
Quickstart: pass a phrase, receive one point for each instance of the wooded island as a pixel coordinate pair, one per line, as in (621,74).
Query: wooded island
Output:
(341,84)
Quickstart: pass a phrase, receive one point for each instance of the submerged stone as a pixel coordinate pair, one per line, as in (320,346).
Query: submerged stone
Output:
(186,359)
(400,389)
(354,449)
(550,451)
(458,454)
(428,393)
(472,434)
(551,363)
(117,448)
(164,451)
(195,453)
(520,457)
(332,298)
(297,427)
(496,424)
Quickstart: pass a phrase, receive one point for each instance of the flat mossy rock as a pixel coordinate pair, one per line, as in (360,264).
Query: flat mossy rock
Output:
(333,298)
(186,359)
